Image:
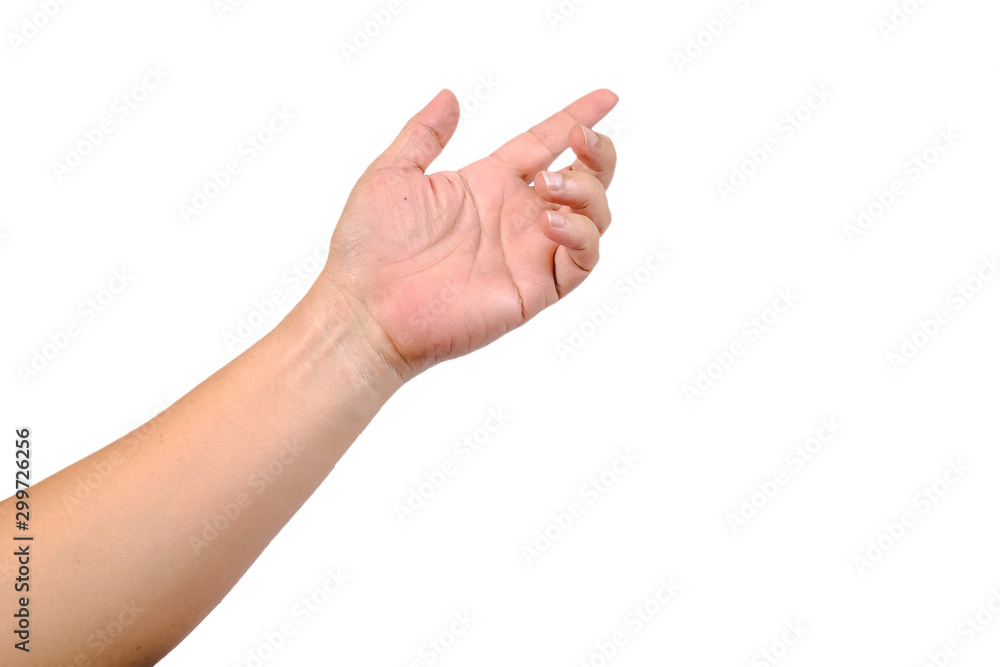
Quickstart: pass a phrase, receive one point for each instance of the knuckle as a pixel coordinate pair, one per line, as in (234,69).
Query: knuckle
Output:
(592,236)
(588,185)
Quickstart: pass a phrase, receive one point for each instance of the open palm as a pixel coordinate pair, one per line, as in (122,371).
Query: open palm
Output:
(445,263)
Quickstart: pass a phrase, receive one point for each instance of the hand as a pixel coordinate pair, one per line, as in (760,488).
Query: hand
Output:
(442,264)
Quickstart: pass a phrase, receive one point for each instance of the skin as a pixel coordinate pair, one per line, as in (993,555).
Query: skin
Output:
(422,268)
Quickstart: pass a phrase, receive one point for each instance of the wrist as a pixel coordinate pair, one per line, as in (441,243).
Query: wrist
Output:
(340,327)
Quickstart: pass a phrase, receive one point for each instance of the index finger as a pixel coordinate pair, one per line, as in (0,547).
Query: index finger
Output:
(534,150)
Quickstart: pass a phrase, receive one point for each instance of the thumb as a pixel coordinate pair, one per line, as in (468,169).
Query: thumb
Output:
(425,135)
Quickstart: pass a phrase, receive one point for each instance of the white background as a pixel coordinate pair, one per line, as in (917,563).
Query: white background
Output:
(680,130)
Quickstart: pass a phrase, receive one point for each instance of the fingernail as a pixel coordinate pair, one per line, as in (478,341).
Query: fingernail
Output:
(590,136)
(556,219)
(553,180)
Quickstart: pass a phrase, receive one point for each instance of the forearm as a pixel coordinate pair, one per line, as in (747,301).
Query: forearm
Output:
(161,531)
